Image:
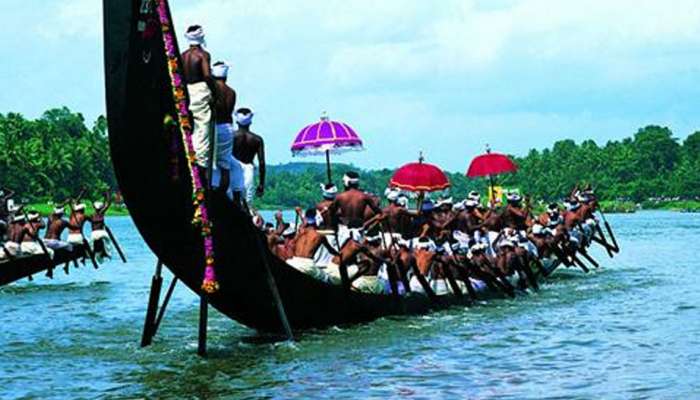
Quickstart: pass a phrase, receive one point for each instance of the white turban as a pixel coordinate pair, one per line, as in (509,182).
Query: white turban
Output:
(19,218)
(513,196)
(474,195)
(291,230)
(347,180)
(244,119)
(220,70)
(58,210)
(444,202)
(34,216)
(329,192)
(392,194)
(79,207)
(459,206)
(195,37)
(402,201)
(537,229)
(98,205)
(470,203)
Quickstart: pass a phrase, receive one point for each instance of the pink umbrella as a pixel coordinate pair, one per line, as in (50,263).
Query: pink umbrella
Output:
(325,137)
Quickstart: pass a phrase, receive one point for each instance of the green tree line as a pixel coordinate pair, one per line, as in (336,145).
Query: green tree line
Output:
(52,157)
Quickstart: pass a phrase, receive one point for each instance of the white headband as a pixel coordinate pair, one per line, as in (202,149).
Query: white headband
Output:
(220,71)
(329,192)
(244,119)
(98,205)
(392,194)
(402,201)
(350,181)
(196,37)
(79,207)
(58,210)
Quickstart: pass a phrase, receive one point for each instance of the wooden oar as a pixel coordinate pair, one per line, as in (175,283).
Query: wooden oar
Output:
(610,231)
(580,264)
(588,257)
(116,244)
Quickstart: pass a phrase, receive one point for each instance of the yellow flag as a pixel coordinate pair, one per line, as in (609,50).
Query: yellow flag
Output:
(496,195)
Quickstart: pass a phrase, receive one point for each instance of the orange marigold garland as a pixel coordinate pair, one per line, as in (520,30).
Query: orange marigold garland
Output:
(201,217)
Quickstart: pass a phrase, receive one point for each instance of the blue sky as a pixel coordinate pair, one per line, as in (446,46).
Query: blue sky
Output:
(445,77)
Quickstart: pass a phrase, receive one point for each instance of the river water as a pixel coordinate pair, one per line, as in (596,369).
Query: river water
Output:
(628,330)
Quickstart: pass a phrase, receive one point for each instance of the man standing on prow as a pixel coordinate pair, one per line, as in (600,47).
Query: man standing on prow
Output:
(197,71)
(225,166)
(246,146)
(349,209)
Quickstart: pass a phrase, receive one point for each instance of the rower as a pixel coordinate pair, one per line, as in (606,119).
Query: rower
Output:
(56,225)
(328,192)
(349,209)
(76,222)
(200,86)
(30,235)
(399,218)
(99,236)
(514,216)
(248,145)
(307,245)
(224,161)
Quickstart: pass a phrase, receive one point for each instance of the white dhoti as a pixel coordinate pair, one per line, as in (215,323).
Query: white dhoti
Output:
(345,233)
(200,97)
(244,178)
(333,272)
(56,244)
(13,248)
(225,160)
(102,235)
(309,267)
(369,284)
(34,248)
(75,238)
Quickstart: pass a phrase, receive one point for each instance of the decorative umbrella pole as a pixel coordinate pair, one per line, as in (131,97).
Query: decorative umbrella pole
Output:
(490,164)
(326,137)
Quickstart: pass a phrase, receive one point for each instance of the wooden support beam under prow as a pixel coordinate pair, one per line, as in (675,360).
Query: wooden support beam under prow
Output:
(203,317)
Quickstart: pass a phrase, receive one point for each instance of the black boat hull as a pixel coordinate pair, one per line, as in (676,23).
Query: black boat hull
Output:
(24,267)
(157,190)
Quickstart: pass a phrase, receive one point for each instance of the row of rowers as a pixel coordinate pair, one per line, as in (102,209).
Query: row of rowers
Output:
(20,229)
(439,248)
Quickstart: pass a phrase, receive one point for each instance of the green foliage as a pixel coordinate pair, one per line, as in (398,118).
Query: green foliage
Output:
(651,164)
(53,157)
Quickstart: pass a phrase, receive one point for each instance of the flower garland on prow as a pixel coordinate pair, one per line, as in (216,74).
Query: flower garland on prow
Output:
(201,217)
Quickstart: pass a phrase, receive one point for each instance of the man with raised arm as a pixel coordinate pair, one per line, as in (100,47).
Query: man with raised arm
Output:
(246,146)
(200,86)
(56,225)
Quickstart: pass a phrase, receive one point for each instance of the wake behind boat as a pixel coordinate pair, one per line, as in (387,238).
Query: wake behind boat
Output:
(412,257)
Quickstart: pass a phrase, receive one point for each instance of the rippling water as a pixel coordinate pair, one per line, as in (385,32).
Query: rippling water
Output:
(628,330)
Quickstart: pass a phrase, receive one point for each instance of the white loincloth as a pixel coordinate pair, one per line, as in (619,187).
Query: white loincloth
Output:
(102,235)
(58,244)
(389,240)
(307,266)
(75,238)
(200,97)
(345,233)
(491,238)
(369,284)
(333,272)
(34,248)
(13,248)
(383,276)
(243,179)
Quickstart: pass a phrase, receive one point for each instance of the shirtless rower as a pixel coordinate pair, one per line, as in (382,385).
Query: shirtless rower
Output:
(246,146)
(200,86)
(99,236)
(56,225)
(30,235)
(349,209)
(5,196)
(328,191)
(225,165)
(76,222)
(398,217)
(306,247)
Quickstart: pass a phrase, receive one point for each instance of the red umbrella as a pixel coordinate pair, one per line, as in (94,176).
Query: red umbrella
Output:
(419,177)
(490,164)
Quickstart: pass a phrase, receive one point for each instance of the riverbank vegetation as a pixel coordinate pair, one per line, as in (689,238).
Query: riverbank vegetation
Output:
(52,157)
